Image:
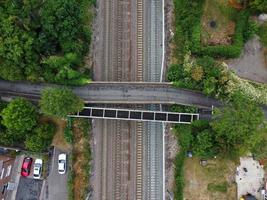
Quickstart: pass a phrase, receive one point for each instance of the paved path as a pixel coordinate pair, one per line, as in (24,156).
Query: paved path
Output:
(56,184)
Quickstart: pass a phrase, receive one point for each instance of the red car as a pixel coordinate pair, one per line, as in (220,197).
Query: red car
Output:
(26,166)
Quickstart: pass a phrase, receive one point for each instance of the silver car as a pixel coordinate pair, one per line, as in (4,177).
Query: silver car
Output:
(37,168)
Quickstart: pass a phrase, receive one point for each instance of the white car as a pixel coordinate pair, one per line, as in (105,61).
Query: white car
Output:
(62,161)
(37,168)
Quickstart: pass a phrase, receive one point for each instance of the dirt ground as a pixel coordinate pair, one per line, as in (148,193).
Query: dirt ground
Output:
(58,140)
(170,58)
(251,64)
(198,177)
(221,33)
(171,149)
(81,145)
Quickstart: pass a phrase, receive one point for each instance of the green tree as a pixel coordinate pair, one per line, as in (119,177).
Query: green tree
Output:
(61,22)
(19,115)
(258,5)
(203,145)
(238,126)
(60,102)
(41,138)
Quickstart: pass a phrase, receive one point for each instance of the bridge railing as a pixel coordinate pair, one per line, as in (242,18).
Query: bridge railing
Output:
(136,115)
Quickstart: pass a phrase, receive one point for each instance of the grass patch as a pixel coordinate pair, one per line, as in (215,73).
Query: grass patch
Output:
(263,33)
(213,187)
(217,25)
(207,182)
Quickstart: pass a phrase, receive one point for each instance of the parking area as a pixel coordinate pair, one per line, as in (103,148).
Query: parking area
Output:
(55,187)
(249,177)
(29,189)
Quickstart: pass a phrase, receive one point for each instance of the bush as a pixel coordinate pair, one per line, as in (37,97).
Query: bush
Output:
(187,15)
(41,138)
(68,134)
(184,136)
(183,109)
(263,33)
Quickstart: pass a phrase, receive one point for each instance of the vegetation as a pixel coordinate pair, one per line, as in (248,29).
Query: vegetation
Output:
(19,115)
(70,178)
(21,126)
(238,130)
(41,138)
(183,133)
(263,33)
(233,131)
(217,187)
(80,160)
(68,133)
(212,81)
(188,31)
(60,102)
(183,109)
(258,5)
(44,41)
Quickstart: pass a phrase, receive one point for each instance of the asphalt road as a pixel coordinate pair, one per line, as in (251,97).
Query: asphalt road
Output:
(29,189)
(56,185)
(118,93)
(103,92)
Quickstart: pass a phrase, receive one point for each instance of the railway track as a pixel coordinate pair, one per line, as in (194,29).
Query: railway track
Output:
(139,125)
(153,131)
(116,66)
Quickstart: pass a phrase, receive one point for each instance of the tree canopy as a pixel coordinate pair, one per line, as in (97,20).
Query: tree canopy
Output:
(32,32)
(238,126)
(40,138)
(258,5)
(19,115)
(60,102)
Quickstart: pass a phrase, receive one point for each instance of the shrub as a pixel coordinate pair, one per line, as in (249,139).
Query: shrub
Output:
(68,134)
(184,136)
(40,138)
(263,33)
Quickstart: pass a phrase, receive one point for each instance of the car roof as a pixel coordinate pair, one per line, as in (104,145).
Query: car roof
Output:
(36,169)
(38,161)
(27,159)
(61,166)
(62,156)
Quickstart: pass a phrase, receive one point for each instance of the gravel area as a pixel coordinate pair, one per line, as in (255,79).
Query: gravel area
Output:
(29,189)
(249,177)
(251,64)
(171,149)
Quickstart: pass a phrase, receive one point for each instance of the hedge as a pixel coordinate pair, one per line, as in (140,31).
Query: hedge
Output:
(227,51)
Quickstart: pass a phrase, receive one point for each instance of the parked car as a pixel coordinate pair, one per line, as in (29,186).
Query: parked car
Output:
(37,169)
(62,162)
(26,166)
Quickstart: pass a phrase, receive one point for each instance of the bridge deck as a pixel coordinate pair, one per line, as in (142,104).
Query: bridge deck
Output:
(137,115)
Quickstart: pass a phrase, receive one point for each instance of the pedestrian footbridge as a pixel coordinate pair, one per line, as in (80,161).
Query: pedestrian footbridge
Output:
(136,115)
